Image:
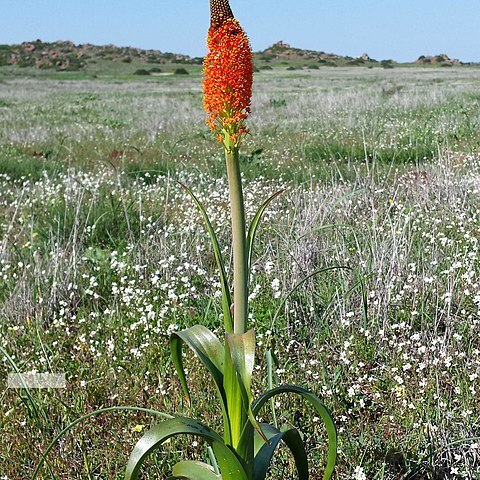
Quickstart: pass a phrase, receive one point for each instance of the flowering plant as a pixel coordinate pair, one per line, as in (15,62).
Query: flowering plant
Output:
(247,446)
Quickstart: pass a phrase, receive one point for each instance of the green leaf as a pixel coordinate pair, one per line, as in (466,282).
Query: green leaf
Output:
(211,353)
(213,460)
(236,412)
(230,466)
(226,295)
(264,451)
(271,359)
(254,225)
(192,470)
(242,351)
(206,346)
(321,409)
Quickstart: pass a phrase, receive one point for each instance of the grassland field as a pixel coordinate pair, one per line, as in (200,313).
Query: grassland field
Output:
(103,255)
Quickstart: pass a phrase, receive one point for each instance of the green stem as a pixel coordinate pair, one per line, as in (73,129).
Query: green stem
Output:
(240,269)
(237,410)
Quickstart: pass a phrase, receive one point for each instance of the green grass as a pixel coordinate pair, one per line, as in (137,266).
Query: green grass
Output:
(102,255)
(17,163)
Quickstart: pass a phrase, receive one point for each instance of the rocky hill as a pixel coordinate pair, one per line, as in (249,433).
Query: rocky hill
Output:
(65,55)
(441,59)
(281,52)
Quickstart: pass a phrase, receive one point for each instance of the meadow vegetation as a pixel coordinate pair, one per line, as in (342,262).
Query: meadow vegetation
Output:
(102,256)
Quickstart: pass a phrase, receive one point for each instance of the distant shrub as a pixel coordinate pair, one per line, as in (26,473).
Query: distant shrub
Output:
(113,123)
(70,68)
(24,63)
(266,67)
(74,62)
(291,68)
(180,71)
(278,102)
(127,60)
(155,70)
(356,61)
(388,92)
(141,71)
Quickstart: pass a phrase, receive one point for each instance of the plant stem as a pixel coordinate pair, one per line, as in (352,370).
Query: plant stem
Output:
(240,273)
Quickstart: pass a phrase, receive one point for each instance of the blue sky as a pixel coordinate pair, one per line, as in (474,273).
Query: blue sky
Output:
(397,29)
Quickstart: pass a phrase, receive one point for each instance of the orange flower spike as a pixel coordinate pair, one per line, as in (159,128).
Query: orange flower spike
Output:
(228,76)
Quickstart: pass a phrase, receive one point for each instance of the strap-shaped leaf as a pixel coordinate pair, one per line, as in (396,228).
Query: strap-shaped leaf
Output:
(321,409)
(226,295)
(252,230)
(208,349)
(265,451)
(242,351)
(192,470)
(235,420)
(230,466)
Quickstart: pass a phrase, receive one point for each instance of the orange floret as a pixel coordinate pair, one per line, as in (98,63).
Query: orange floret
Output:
(227,84)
